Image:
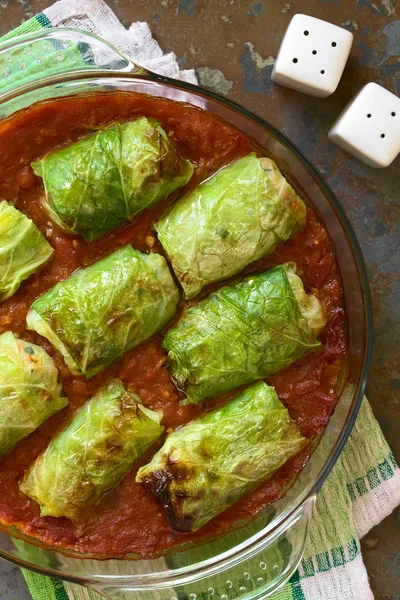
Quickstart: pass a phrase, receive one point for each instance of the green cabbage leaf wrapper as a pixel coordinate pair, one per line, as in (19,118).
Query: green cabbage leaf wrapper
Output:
(243,332)
(97,449)
(29,389)
(23,249)
(106,178)
(104,310)
(210,464)
(234,218)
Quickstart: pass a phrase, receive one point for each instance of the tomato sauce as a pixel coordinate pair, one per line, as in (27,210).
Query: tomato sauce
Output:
(129,519)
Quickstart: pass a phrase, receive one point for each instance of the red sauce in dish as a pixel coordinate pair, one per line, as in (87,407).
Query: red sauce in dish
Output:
(129,519)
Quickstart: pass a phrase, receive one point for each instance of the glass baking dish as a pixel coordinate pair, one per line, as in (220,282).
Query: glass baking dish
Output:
(257,558)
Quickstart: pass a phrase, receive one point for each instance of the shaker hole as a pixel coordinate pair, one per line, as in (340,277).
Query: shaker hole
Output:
(383,135)
(306,32)
(393,114)
(295,60)
(369,115)
(314,52)
(334,44)
(322,72)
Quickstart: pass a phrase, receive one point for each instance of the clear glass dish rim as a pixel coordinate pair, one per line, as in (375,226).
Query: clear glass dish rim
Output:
(262,538)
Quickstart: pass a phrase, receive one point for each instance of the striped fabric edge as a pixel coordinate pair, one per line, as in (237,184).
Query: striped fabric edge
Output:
(39,21)
(59,589)
(379,504)
(45,588)
(347,582)
(386,474)
(374,477)
(332,558)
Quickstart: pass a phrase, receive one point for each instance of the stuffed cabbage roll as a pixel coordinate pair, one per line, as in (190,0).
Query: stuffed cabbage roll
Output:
(229,221)
(208,465)
(243,332)
(105,309)
(23,249)
(106,178)
(29,389)
(97,449)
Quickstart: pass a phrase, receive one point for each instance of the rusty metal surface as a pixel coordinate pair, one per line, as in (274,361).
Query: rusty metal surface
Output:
(232,44)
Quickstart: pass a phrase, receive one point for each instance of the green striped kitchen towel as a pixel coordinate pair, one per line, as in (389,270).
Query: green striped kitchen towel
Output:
(364,486)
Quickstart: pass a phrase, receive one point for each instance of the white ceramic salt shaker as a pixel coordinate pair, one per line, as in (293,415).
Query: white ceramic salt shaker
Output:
(312,56)
(369,126)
